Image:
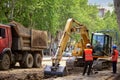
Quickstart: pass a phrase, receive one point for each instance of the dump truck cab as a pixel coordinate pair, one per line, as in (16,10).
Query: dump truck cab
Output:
(5,37)
(5,46)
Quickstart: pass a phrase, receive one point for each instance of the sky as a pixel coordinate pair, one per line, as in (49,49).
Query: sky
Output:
(100,2)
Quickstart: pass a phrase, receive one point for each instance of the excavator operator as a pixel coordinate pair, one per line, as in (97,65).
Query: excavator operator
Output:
(87,55)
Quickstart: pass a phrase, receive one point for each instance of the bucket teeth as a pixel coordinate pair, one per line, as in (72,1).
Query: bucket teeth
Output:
(59,72)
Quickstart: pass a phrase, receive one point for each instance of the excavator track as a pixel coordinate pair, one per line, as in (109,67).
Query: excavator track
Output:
(101,64)
(73,65)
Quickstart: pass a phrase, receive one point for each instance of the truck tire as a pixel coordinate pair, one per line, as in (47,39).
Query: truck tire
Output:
(27,61)
(37,60)
(5,62)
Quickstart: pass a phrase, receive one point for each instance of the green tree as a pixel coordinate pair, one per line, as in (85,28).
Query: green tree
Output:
(51,15)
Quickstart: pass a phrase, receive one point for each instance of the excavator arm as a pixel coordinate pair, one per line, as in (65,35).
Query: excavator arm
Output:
(63,42)
(72,26)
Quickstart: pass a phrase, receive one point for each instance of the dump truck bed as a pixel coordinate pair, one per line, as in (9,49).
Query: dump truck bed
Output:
(27,39)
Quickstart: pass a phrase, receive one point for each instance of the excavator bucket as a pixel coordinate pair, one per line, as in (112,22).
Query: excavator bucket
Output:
(60,71)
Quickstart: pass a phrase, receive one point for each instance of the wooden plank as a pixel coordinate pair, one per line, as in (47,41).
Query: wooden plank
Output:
(26,41)
(26,48)
(38,39)
(42,47)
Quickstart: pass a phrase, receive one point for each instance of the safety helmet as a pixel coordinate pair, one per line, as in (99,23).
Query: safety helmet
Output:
(114,46)
(88,45)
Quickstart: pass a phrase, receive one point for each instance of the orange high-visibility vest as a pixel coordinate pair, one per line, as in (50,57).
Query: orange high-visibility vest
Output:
(115,56)
(88,54)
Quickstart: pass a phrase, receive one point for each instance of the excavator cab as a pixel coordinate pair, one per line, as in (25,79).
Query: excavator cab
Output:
(101,44)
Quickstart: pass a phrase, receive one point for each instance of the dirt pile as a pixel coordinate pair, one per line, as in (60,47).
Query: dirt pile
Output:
(22,74)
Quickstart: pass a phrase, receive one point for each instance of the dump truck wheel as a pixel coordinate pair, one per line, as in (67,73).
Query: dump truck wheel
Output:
(27,61)
(37,60)
(5,63)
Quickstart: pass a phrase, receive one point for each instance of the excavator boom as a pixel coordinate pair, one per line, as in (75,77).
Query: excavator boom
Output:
(71,26)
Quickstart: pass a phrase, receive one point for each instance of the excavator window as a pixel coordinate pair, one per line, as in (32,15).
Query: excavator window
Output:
(101,44)
(98,42)
(108,44)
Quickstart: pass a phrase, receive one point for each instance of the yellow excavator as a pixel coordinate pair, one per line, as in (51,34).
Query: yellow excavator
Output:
(102,50)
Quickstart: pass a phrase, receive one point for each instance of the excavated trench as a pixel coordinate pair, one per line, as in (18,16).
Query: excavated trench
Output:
(38,74)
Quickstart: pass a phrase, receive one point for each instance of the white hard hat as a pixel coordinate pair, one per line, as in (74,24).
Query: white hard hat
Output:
(88,45)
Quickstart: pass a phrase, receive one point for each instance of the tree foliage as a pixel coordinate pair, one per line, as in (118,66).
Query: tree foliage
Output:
(51,15)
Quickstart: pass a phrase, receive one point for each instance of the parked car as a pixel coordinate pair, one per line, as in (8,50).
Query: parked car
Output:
(67,54)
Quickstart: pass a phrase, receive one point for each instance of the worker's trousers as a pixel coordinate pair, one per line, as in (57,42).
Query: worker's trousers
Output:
(114,66)
(88,64)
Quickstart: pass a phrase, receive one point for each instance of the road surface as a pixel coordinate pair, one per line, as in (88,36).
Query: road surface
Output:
(77,75)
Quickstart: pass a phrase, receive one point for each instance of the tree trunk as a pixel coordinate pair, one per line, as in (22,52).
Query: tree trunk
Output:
(12,10)
(117,10)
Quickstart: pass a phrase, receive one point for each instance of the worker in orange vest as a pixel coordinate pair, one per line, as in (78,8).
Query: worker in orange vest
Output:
(88,57)
(115,54)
